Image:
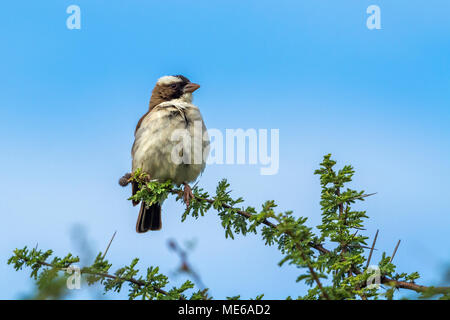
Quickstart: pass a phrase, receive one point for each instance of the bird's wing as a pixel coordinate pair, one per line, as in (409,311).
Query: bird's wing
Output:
(134,186)
(137,134)
(140,122)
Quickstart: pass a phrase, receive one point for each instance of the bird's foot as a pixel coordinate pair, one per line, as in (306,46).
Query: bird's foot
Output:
(188,195)
(147,178)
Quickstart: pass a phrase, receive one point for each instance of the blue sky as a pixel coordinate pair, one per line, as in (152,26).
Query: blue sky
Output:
(377,99)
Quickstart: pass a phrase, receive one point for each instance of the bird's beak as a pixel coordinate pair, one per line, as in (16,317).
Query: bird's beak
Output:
(191,87)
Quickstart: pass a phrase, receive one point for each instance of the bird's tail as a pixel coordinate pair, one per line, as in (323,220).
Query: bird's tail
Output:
(149,218)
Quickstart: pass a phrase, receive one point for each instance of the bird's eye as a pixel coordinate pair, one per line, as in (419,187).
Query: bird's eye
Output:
(174,85)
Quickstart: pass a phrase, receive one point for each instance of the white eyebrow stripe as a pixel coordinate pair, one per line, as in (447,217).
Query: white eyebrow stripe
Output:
(168,80)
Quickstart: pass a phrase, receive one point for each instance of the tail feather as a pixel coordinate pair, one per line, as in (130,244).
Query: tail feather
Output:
(149,218)
(134,189)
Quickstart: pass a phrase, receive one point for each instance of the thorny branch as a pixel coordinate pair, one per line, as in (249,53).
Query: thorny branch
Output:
(322,250)
(104,275)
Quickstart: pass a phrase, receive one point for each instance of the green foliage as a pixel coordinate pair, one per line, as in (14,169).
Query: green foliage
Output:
(150,286)
(338,272)
(150,191)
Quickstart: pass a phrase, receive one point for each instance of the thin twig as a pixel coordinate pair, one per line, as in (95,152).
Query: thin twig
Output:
(314,274)
(395,251)
(371,249)
(110,241)
(311,269)
(364,195)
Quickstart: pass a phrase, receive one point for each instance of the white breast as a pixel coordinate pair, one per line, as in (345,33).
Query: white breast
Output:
(154,142)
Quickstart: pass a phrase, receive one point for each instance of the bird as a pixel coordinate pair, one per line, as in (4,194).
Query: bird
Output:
(158,153)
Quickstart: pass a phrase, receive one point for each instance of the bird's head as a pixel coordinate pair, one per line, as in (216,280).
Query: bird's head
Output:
(169,88)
